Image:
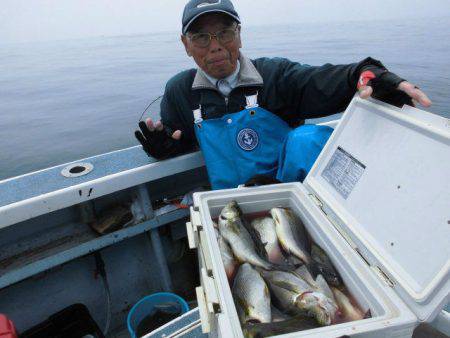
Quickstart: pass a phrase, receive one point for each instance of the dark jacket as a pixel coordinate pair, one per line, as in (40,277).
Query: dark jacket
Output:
(292,91)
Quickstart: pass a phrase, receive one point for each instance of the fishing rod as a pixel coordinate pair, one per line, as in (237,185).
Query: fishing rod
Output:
(150,104)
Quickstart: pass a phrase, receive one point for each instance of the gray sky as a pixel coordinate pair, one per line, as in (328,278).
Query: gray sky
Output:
(31,20)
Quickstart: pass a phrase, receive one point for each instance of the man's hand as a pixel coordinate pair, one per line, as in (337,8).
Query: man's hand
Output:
(388,87)
(157,142)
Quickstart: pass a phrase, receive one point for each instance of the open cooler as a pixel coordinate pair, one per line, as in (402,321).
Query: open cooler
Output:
(377,201)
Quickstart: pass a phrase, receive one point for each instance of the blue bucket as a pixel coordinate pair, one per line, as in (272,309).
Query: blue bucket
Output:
(147,305)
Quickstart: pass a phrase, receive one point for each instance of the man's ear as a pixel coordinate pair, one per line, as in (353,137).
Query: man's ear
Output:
(186,44)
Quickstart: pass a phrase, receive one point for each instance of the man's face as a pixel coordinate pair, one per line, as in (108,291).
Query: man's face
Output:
(219,59)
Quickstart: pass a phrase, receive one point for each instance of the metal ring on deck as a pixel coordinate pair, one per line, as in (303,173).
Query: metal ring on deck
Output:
(77,169)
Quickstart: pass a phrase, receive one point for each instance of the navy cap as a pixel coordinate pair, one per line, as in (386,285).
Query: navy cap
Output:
(196,8)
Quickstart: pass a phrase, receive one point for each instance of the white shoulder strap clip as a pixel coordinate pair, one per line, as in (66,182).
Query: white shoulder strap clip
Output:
(252,101)
(198,115)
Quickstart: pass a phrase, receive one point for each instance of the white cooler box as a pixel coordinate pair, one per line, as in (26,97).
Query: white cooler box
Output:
(377,201)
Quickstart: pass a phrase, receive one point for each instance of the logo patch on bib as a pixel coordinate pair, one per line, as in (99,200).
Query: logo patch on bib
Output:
(247,139)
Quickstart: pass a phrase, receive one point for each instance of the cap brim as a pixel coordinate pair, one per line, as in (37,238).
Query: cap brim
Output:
(186,27)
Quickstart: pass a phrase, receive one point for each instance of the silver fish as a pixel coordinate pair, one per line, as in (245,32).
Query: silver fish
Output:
(293,261)
(304,273)
(349,311)
(321,264)
(319,284)
(292,291)
(290,325)
(285,299)
(288,230)
(277,315)
(251,296)
(265,227)
(287,280)
(229,263)
(216,231)
(323,287)
(234,232)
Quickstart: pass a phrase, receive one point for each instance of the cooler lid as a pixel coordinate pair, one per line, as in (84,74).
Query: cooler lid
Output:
(384,176)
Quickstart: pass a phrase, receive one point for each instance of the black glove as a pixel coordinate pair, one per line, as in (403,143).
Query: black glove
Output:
(384,84)
(158,143)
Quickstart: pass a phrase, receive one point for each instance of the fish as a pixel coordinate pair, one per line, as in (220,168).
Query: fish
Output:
(292,260)
(288,229)
(304,273)
(294,324)
(348,310)
(217,233)
(251,296)
(265,227)
(292,293)
(229,263)
(237,236)
(321,264)
(319,284)
(322,286)
(285,299)
(277,315)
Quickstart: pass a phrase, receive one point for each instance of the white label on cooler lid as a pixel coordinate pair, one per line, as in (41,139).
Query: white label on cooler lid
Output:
(343,171)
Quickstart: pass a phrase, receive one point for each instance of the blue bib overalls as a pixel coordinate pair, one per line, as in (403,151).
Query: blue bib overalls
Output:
(240,145)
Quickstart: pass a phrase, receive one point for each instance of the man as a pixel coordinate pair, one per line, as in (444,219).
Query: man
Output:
(241,111)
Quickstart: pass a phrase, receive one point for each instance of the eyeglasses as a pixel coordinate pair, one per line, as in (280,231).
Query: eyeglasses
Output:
(203,40)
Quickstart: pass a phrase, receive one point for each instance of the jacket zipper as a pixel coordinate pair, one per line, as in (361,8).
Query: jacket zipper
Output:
(226,104)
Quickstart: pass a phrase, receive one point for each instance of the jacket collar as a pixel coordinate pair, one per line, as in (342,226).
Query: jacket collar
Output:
(248,76)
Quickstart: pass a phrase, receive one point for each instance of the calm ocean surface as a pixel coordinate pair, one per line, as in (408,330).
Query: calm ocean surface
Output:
(65,100)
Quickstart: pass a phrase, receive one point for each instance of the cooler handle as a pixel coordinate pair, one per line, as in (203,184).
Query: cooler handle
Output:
(202,241)
(191,235)
(203,310)
(210,290)
(207,299)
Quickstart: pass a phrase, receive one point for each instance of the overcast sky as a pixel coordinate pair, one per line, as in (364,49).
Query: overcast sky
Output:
(31,20)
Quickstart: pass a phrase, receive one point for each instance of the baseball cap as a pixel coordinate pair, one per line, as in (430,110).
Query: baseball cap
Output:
(196,8)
